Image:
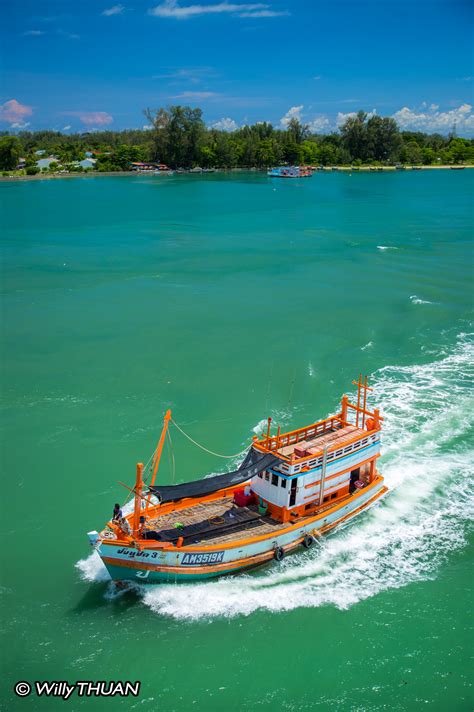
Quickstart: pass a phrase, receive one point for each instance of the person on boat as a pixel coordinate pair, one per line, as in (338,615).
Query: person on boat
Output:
(142,527)
(117,513)
(124,526)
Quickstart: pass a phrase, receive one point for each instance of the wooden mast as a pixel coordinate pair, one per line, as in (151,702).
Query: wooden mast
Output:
(364,402)
(138,498)
(158,451)
(139,478)
(361,408)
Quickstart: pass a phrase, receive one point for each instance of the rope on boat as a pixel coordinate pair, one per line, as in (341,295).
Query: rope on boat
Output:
(171,456)
(217,454)
(148,467)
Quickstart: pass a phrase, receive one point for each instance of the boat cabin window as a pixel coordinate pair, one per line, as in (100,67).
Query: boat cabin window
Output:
(260,475)
(267,476)
(275,480)
(283,482)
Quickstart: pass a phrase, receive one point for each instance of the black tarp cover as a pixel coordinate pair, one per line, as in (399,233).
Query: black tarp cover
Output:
(253,463)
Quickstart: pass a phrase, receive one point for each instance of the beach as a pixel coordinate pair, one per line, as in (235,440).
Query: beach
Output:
(343,168)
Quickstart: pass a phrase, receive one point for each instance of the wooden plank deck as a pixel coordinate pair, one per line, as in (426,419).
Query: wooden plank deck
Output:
(320,441)
(213,511)
(192,515)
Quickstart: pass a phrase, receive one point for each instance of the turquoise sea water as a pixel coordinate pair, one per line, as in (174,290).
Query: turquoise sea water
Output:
(229,298)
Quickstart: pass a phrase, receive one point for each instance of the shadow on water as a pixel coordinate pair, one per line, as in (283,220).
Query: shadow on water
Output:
(102,595)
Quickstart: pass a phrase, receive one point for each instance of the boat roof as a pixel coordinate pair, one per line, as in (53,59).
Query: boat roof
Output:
(314,438)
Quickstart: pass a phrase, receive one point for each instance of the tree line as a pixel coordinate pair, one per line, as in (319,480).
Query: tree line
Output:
(178,137)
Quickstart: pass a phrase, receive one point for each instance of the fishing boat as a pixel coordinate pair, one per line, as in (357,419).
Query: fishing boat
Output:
(290,489)
(290,172)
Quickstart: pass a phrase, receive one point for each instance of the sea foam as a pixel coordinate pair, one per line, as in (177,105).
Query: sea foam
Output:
(416,300)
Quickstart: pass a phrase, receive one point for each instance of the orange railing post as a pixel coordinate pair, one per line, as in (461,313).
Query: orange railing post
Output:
(268,430)
(344,402)
(376,419)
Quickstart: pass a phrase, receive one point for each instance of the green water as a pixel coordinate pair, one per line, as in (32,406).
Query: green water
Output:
(229,298)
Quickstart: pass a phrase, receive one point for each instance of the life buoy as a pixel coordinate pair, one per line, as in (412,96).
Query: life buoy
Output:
(279,554)
(370,424)
(308,541)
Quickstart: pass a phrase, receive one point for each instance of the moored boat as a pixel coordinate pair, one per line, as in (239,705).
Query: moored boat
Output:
(290,489)
(290,172)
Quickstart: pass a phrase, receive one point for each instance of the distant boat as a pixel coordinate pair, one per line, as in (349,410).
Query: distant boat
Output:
(457,168)
(290,172)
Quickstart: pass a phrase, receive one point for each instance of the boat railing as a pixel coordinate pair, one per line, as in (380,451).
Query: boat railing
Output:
(276,442)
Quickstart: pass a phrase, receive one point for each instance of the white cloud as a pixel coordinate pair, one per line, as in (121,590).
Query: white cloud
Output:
(320,124)
(68,35)
(33,33)
(66,128)
(114,10)
(341,117)
(20,125)
(293,113)
(432,120)
(172,9)
(91,118)
(265,13)
(194,75)
(195,95)
(147,127)
(225,124)
(13,112)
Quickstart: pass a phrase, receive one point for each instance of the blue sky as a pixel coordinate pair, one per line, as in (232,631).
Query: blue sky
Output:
(88,64)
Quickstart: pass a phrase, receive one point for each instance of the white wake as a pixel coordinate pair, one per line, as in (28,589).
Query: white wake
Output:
(427,465)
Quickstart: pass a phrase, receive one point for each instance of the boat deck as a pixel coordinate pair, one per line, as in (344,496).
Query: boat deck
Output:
(317,444)
(217,522)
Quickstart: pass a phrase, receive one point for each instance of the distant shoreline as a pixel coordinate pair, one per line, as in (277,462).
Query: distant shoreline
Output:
(342,169)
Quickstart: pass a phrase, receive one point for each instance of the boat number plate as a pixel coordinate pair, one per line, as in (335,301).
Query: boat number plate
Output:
(213,557)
